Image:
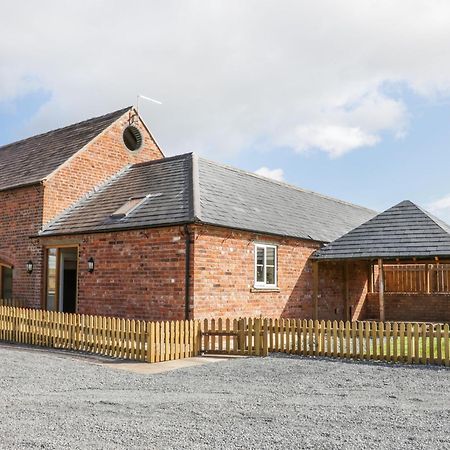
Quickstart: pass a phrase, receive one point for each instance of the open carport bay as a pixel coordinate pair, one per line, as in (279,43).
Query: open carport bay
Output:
(59,400)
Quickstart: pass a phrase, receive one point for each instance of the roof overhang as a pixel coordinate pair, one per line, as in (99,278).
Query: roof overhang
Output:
(422,259)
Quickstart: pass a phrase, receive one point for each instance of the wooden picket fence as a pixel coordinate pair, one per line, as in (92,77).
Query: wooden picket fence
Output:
(411,343)
(391,342)
(109,336)
(137,340)
(11,302)
(235,336)
(416,278)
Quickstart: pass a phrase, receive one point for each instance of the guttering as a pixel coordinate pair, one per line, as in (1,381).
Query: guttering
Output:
(187,280)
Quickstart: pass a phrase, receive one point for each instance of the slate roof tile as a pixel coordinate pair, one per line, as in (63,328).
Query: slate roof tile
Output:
(32,160)
(197,190)
(405,230)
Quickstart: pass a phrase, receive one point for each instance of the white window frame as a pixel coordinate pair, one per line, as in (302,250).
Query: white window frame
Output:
(264,284)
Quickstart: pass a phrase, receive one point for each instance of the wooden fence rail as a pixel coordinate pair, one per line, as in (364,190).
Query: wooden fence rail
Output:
(395,342)
(11,302)
(417,278)
(121,338)
(137,340)
(411,343)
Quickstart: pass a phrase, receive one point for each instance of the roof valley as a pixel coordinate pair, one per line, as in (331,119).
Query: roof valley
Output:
(89,195)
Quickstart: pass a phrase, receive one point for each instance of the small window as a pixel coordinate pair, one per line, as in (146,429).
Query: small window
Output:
(129,206)
(265,265)
(132,138)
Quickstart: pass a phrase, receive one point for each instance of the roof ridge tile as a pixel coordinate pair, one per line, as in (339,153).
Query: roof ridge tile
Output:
(65,127)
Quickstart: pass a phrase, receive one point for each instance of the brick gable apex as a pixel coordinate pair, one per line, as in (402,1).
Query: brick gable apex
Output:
(99,160)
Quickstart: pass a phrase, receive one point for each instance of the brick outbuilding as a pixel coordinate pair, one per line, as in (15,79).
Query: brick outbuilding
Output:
(95,219)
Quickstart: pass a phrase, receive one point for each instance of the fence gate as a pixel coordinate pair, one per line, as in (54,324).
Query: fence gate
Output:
(235,337)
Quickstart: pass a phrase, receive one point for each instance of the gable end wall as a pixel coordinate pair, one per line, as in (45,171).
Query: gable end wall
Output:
(20,217)
(97,162)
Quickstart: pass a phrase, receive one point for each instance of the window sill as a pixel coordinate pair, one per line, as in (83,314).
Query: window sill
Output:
(264,289)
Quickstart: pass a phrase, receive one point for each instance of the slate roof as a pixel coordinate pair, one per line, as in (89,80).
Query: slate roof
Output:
(239,199)
(403,231)
(167,182)
(187,189)
(31,160)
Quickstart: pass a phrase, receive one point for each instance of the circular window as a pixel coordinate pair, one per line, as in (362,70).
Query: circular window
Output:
(132,138)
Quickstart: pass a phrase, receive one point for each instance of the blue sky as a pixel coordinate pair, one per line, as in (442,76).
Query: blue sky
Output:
(351,101)
(414,167)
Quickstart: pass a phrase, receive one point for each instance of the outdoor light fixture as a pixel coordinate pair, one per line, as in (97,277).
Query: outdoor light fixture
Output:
(30,266)
(91,264)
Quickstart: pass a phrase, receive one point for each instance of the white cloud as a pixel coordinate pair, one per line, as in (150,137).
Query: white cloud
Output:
(441,207)
(275,174)
(335,140)
(230,74)
(350,126)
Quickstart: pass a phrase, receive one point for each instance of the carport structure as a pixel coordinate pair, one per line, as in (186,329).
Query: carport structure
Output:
(407,252)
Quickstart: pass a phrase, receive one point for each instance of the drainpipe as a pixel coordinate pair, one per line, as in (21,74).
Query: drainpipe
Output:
(187,287)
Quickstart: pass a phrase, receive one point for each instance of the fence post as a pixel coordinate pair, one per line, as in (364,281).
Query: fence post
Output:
(265,338)
(257,332)
(241,339)
(446,345)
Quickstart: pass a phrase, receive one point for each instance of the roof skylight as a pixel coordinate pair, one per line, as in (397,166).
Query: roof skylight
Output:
(129,206)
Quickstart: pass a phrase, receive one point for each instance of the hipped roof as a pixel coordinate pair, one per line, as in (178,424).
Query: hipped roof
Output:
(190,189)
(404,231)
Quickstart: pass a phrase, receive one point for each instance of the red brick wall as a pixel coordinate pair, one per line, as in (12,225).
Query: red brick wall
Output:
(410,307)
(141,274)
(25,210)
(224,277)
(20,217)
(332,290)
(137,274)
(97,162)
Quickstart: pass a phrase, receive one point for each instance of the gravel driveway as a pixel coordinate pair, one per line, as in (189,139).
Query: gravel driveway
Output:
(51,400)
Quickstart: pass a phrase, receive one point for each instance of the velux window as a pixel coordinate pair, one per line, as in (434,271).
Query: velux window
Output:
(265,265)
(128,207)
(131,204)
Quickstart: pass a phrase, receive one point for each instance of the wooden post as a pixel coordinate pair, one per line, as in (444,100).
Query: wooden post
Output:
(370,287)
(427,278)
(346,292)
(381,288)
(315,273)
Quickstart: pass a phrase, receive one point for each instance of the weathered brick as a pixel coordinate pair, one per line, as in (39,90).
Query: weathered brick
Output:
(25,210)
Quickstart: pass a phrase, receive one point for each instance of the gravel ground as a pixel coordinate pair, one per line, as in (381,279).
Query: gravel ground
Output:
(54,400)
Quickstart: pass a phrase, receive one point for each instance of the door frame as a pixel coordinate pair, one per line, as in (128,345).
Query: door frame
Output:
(58,248)
(4,266)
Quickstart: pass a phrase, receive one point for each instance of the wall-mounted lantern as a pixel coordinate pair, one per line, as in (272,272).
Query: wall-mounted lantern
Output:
(30,267)
(91,264)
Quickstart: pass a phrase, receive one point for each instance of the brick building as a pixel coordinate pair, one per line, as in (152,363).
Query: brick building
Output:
(95,219)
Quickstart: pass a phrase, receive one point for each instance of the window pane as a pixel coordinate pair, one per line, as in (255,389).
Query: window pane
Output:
(6,273)
(51,279)
(270,275)
(270,252)
(260,256)
(260,274)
